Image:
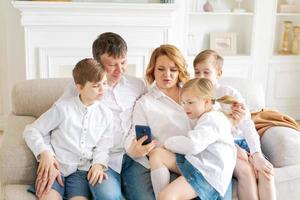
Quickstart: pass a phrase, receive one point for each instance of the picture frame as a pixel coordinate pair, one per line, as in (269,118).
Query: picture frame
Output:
(225,43)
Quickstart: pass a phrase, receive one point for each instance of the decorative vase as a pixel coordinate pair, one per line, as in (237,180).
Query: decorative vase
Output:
(296,41)
(285,45)
(207,7)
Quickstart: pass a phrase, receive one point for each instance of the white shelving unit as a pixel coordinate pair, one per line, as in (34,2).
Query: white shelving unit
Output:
(280,17)
(201,24)
(284,70)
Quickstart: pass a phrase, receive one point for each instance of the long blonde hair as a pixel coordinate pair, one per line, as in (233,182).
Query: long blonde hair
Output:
(173,54)
(204,88)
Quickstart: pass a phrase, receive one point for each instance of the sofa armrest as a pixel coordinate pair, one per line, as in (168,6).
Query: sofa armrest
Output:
(282,146)
(17,163)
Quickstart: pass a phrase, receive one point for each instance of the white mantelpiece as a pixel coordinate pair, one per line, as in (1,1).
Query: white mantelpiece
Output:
(58,34)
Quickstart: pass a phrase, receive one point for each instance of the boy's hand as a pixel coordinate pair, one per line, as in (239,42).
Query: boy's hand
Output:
(43,186)
(47,160)
(137,149)
(238,112)
(262,165)
(96,174)
(48,171)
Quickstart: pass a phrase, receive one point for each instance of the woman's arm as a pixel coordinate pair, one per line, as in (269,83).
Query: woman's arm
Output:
(134,147)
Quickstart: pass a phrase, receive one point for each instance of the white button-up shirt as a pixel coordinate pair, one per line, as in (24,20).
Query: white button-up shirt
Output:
(120,100)
(246,128)
(164,116)
(80,136)
(209,147)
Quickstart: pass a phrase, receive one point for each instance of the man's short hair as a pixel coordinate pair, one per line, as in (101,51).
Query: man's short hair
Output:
(110,43)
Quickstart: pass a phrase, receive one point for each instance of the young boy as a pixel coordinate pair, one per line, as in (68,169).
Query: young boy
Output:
(80,132)
(208,64)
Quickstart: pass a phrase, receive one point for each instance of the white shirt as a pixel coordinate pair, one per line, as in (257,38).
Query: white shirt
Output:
(209,147)
(80,136)
(246,128)
(120,100)
(163,115)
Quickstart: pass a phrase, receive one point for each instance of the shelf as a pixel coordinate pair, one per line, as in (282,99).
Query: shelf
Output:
(287,14)
(221,13)
(232,57)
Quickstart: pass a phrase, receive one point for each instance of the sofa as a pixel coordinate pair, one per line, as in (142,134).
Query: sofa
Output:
(31,98)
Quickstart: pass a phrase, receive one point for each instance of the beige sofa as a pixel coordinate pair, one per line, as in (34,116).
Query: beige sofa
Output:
(31,98)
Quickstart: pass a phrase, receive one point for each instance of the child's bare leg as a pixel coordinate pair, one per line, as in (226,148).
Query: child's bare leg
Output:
(247,185)
(178,189)
(266,187)
(161,160)
(79,198)
(52,195)
(161,157)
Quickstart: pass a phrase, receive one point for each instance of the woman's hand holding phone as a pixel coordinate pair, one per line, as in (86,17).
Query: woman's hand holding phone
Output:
(137,149)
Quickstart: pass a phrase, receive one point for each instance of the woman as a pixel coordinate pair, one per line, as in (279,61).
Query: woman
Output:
(160,110)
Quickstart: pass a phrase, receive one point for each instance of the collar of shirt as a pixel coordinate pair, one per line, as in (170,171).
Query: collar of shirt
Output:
(83,107)
(123,81)
(157,93)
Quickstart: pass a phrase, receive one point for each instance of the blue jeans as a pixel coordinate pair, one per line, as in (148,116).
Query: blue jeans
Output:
(109,189)
(76,184)
(136,180)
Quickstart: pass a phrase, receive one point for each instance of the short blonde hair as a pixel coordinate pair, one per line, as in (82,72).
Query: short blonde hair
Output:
(173,54)
(204,88)
(210,57)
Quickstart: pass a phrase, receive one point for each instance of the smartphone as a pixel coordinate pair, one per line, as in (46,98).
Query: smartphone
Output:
(140,131)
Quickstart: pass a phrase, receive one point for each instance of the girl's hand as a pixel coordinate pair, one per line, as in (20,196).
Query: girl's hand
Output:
(137,150)
(262,165)
(96,174)
(238,112)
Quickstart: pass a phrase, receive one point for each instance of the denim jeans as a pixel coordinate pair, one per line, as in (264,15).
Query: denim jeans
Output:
(109,189)
(136,181)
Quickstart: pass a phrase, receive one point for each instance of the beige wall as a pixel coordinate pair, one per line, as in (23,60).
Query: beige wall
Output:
(12,58)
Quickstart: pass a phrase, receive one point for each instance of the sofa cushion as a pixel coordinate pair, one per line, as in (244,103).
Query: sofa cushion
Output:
(18,165)
(17,192)
(252,91)
(287,181)
(25,94)
(281,146)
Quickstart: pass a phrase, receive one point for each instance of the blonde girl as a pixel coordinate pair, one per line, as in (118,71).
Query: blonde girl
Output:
(205,157)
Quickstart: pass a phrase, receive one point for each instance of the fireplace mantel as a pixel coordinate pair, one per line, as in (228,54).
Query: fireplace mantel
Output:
(58,34)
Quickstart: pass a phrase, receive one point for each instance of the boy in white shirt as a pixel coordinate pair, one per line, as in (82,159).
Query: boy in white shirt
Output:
(80,134)
(251,164)
(205,157)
